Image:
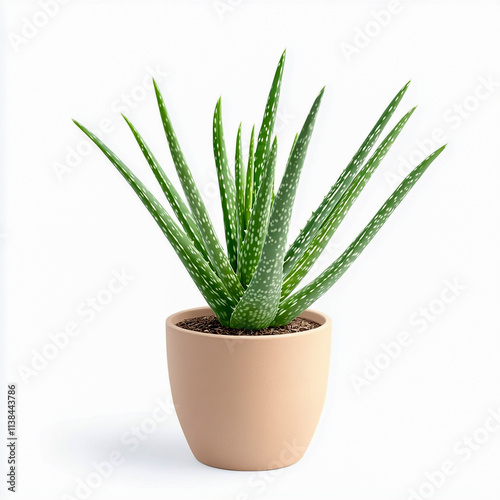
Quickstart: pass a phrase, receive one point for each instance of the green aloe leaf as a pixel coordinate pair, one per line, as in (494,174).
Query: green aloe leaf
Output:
(198,208)
(249,256)
(258,306)
(239,176)
(325,233)
(293,145)
(227,188)
(204,277)
(249,180)
(298,302)
(176,202)
(267,127)
(331,199)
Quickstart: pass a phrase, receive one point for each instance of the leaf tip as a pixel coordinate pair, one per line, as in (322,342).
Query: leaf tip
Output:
(129,123)
(157,89)
(320,96)
(78,124)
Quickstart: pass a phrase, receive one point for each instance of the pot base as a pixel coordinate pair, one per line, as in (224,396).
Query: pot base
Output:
(271,466)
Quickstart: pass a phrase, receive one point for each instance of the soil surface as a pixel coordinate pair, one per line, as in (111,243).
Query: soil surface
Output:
(210,324)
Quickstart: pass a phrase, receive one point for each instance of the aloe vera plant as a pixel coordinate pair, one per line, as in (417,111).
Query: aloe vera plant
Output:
(253,283)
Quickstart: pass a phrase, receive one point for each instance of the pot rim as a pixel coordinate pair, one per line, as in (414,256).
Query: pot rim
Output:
(323,319)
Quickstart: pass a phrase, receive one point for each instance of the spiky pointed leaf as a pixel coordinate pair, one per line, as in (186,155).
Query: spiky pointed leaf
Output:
(239,177)
(268,121)
(204,277)
(258,306)
(325,233)
(249,180)
(333,196)
(176,202)
(198,208)
(298,302)
(226,187)
(251,249)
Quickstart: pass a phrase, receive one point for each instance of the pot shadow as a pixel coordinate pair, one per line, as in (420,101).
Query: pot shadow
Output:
(161,454)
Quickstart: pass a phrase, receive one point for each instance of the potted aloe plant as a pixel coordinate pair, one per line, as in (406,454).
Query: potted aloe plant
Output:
(249,373)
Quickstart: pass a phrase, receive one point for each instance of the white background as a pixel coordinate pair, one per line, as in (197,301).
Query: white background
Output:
(64,235)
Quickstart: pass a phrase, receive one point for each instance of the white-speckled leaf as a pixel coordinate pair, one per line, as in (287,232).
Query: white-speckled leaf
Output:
(258,306)
(198,209)
(204,277)
(239,179)
(267,127)
(331,199)
(330,225)
(249,181)
(251,250)
(176,202)
(227,188)
(297,303)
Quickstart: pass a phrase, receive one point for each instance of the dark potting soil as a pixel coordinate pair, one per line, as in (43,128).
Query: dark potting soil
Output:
(210,324)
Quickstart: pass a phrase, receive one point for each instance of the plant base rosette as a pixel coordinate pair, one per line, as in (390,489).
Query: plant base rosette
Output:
(248,402)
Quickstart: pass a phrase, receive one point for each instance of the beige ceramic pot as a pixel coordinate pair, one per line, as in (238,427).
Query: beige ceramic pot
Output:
(248,402)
